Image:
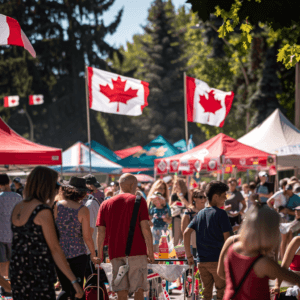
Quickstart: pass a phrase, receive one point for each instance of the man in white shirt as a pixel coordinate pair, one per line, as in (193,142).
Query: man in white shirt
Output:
(279,198)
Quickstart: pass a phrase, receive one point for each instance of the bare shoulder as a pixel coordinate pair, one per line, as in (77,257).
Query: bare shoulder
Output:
(83,211)
(265,266)
(43,217)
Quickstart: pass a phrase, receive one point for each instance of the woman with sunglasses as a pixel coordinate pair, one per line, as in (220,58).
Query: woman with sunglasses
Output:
(35,246)
(198,203)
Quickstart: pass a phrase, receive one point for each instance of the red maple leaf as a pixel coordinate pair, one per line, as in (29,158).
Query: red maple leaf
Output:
(38,99)
(211,104)
(118,93)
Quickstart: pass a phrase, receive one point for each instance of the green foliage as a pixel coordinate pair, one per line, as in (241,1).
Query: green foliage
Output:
(282,19)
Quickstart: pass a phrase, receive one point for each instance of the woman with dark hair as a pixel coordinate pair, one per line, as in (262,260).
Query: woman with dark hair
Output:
(73,222)
(35,245)
(198,202)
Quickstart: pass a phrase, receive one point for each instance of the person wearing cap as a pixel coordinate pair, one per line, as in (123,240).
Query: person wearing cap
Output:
(73,222)
(19,186)
(8,200)
(294,201)
(264,188)
(93,185)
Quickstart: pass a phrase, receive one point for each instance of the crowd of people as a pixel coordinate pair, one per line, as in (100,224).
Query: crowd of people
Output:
(53,233)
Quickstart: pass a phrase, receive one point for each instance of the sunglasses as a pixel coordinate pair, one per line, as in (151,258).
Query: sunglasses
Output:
(200,197)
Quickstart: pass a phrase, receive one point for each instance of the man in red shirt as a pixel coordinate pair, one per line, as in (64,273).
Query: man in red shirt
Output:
(113,221)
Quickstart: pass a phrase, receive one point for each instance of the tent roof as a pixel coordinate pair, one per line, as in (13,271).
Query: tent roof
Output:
(275,135)
(180,145)
(76,160)
(127,152)
(232,151)
(16,150)
(159,147)
(102,150)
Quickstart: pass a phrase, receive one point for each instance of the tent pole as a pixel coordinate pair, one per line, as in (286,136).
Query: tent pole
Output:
(185,111)
(88,116)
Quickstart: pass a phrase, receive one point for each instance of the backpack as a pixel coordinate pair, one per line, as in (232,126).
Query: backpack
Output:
(90,288)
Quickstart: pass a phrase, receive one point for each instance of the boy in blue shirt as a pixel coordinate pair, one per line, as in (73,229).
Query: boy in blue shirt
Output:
(212,228)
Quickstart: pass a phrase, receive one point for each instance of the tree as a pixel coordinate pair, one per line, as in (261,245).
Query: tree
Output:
(264,99)
(66,35)
(280,17)
(163,69)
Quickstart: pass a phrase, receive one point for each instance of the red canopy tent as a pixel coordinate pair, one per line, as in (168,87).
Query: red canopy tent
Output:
(16,150)
(127,152)
(220,151)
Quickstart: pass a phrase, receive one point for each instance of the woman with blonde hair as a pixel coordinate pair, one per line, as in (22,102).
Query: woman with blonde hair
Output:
(246,262)
(179,194)
(160,187)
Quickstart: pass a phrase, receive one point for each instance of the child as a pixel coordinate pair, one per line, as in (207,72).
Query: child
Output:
(259,235)
(160,216)
(212,228)
(284,217)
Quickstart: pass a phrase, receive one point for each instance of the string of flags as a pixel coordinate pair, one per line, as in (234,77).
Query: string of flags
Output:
(12,101)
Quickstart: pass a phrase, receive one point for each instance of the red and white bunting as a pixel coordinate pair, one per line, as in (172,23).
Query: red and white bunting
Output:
(36,99)
(11,101)
(212,165)
(12,34)
(162,167)
(174,166)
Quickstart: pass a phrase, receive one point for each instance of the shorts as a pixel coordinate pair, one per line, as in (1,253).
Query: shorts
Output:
(135,278)
(5,252)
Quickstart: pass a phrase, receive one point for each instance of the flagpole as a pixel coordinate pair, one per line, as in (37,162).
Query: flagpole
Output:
(185,111)
(186,132)
(88,117)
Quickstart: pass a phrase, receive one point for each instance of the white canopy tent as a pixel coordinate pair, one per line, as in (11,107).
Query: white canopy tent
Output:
(276,135)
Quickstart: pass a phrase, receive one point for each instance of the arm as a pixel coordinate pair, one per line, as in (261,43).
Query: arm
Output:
(228,243)
(266,195)
(4,283)
(148,238)
(100,240)
(187,242)
(167,219)
(86,230)
(288,257)
(290,212)
(267,267)
(45,219)
(184,223)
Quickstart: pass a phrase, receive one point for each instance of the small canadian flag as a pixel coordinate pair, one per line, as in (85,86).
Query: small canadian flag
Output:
(11,101)
(36,99)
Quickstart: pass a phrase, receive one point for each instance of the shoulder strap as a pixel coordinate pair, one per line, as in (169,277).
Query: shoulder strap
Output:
(245,276)
(133,224)
(37,209)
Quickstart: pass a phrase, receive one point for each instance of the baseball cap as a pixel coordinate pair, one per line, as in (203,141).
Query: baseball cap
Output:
(114,183)
(297,208)
(91,179)
(17,179)
(262,174)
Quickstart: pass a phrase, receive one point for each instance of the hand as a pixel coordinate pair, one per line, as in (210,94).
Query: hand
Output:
(151,258)
(96,260)
(191,260)
(241,213)
(79,291)
(275,290)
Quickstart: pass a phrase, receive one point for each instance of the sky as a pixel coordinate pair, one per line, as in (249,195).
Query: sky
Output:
(134,15)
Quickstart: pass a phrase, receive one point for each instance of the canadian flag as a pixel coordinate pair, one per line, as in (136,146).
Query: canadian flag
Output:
(11,101)
(12,34)
(116,94)
(36,99)
(206,105)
